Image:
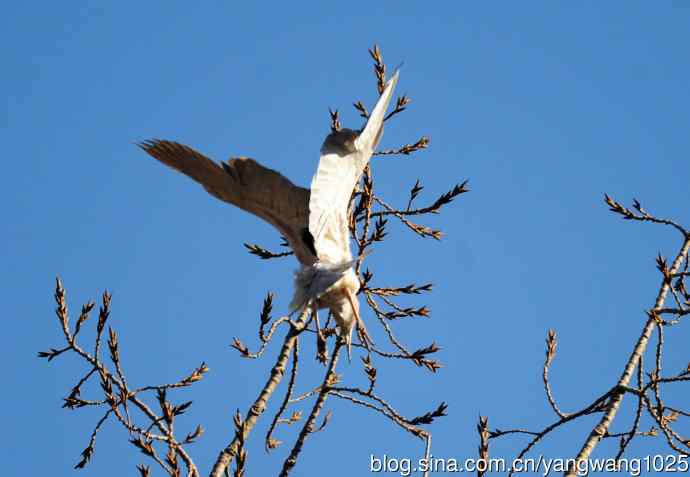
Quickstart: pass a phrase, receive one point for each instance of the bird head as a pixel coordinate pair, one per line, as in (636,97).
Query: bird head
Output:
(341,141)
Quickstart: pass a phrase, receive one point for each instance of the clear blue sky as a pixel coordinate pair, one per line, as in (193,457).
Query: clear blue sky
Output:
(543,106)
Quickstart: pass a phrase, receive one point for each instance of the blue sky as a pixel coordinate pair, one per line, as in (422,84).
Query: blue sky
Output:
(543,106)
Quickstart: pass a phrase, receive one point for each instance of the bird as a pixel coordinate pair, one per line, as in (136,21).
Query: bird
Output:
(313,221)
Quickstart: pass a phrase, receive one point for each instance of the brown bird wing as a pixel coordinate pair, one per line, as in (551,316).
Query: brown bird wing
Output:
(248,185)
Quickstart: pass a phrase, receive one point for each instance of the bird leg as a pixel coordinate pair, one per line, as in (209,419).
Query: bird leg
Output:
(321,354)
(361,329)
(315,315)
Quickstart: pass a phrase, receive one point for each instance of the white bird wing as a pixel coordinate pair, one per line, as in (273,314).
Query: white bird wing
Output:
(248,185)
(339,170)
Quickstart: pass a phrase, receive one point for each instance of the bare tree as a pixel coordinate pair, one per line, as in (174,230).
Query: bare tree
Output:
(147,412)
(671,304)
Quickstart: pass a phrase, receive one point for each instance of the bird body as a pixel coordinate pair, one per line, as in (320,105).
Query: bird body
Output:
(314,221)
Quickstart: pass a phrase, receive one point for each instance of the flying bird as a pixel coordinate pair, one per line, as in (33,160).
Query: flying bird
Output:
(314,221)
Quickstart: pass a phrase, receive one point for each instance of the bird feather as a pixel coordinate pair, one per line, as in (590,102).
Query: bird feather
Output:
(344,155)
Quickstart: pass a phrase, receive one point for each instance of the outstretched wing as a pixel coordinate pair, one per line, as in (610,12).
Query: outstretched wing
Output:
(248,185)
(344,155)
